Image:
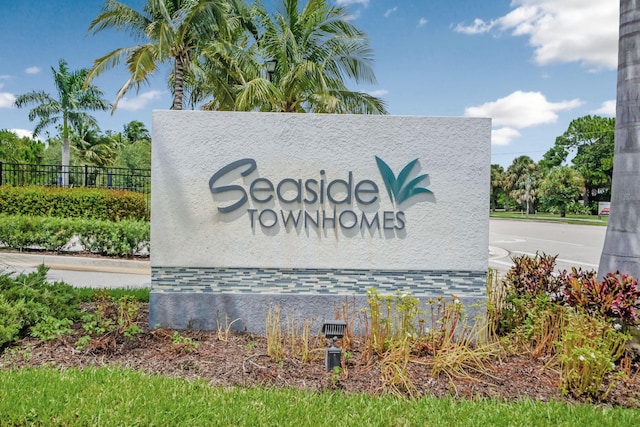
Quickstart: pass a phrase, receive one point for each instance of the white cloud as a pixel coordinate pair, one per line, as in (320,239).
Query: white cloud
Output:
(584,31)
(6,99)
(22,132)
(503,136)
(608,108)
(478,27)
(348,2)
(390,11)
(5,76)
(422,22)
(519,110)
(32,70)
(140,101)
(378,93)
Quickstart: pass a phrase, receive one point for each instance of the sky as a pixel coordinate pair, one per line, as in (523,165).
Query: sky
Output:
(530,65)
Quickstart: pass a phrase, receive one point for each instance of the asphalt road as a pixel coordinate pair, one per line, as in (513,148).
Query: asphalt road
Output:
(575,245)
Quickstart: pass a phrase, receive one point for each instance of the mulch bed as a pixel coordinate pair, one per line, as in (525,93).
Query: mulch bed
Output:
(240,359)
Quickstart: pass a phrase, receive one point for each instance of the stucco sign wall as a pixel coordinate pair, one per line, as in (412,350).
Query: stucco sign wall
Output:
(241,194)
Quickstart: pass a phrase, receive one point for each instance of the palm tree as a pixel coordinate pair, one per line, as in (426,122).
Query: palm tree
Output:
(173,30)
(497,176)
(523,176)
(316,49)
(621,250)
(91,147)
(74,97)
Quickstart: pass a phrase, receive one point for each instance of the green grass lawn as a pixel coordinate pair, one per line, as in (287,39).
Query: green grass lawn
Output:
(115,397)
(569,219)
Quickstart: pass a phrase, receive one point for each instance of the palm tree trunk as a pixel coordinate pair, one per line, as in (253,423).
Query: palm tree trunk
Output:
(65,162)
(66,150)
(178,84)
(621,250)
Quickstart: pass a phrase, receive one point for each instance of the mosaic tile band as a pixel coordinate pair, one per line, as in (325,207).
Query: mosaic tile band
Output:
(317,281)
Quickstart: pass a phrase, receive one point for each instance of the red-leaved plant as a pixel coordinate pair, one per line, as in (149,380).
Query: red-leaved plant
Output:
(530,277)
(616,296)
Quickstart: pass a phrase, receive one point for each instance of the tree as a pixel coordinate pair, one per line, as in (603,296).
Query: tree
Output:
(560,187)
(136,131)
(316,50)
(525,175)
(174,30)
(621,250)
(497,177)
(14,149)
(74,98)
(92,147)
(591,139)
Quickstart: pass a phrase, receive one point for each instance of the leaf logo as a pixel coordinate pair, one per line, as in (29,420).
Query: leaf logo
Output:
(396,187)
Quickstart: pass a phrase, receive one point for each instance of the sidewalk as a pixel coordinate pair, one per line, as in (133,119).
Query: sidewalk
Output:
(81,271)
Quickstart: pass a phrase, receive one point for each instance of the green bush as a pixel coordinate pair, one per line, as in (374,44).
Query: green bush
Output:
(91,203)
(120,238)
(30,305)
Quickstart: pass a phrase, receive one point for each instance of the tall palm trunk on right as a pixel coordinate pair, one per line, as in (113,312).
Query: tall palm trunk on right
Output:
(621,250)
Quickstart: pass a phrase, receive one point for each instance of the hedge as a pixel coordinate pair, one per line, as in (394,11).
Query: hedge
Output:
(92,203)
(120,238)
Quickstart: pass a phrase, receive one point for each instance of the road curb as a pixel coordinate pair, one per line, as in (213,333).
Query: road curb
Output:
(75,263)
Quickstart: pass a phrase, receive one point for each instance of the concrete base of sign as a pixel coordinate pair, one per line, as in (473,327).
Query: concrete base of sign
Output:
(248,312)
(212,298)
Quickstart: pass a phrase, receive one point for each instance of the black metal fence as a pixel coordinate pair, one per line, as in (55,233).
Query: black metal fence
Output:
(79,176)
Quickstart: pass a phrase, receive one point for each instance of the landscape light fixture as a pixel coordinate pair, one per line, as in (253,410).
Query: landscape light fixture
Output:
(333,330)
(271,68)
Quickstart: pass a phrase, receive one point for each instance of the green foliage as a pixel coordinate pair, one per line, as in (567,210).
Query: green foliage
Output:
(496,185)
(134,156)
(59,202)
(50,328)
(140,295)
(121,238)
(561,187)
(591,140)
(521,181)
(14,149)
(588,350)
(390,319)
(19,232)
(112,317)
(11,320)
(182,343)
(117,397)
(31,305)
(571,316)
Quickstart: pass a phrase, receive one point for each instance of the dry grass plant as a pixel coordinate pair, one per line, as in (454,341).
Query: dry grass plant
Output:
(275,348)
(225,331)
(349,314)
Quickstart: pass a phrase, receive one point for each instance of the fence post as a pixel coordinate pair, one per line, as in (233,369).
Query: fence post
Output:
(86,172)
(1,173)
(109,178)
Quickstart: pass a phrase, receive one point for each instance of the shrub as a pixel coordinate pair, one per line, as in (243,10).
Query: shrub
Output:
(59,202)
(121,238)
(530,277)
(587,350)
(616,296)
(29,305)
